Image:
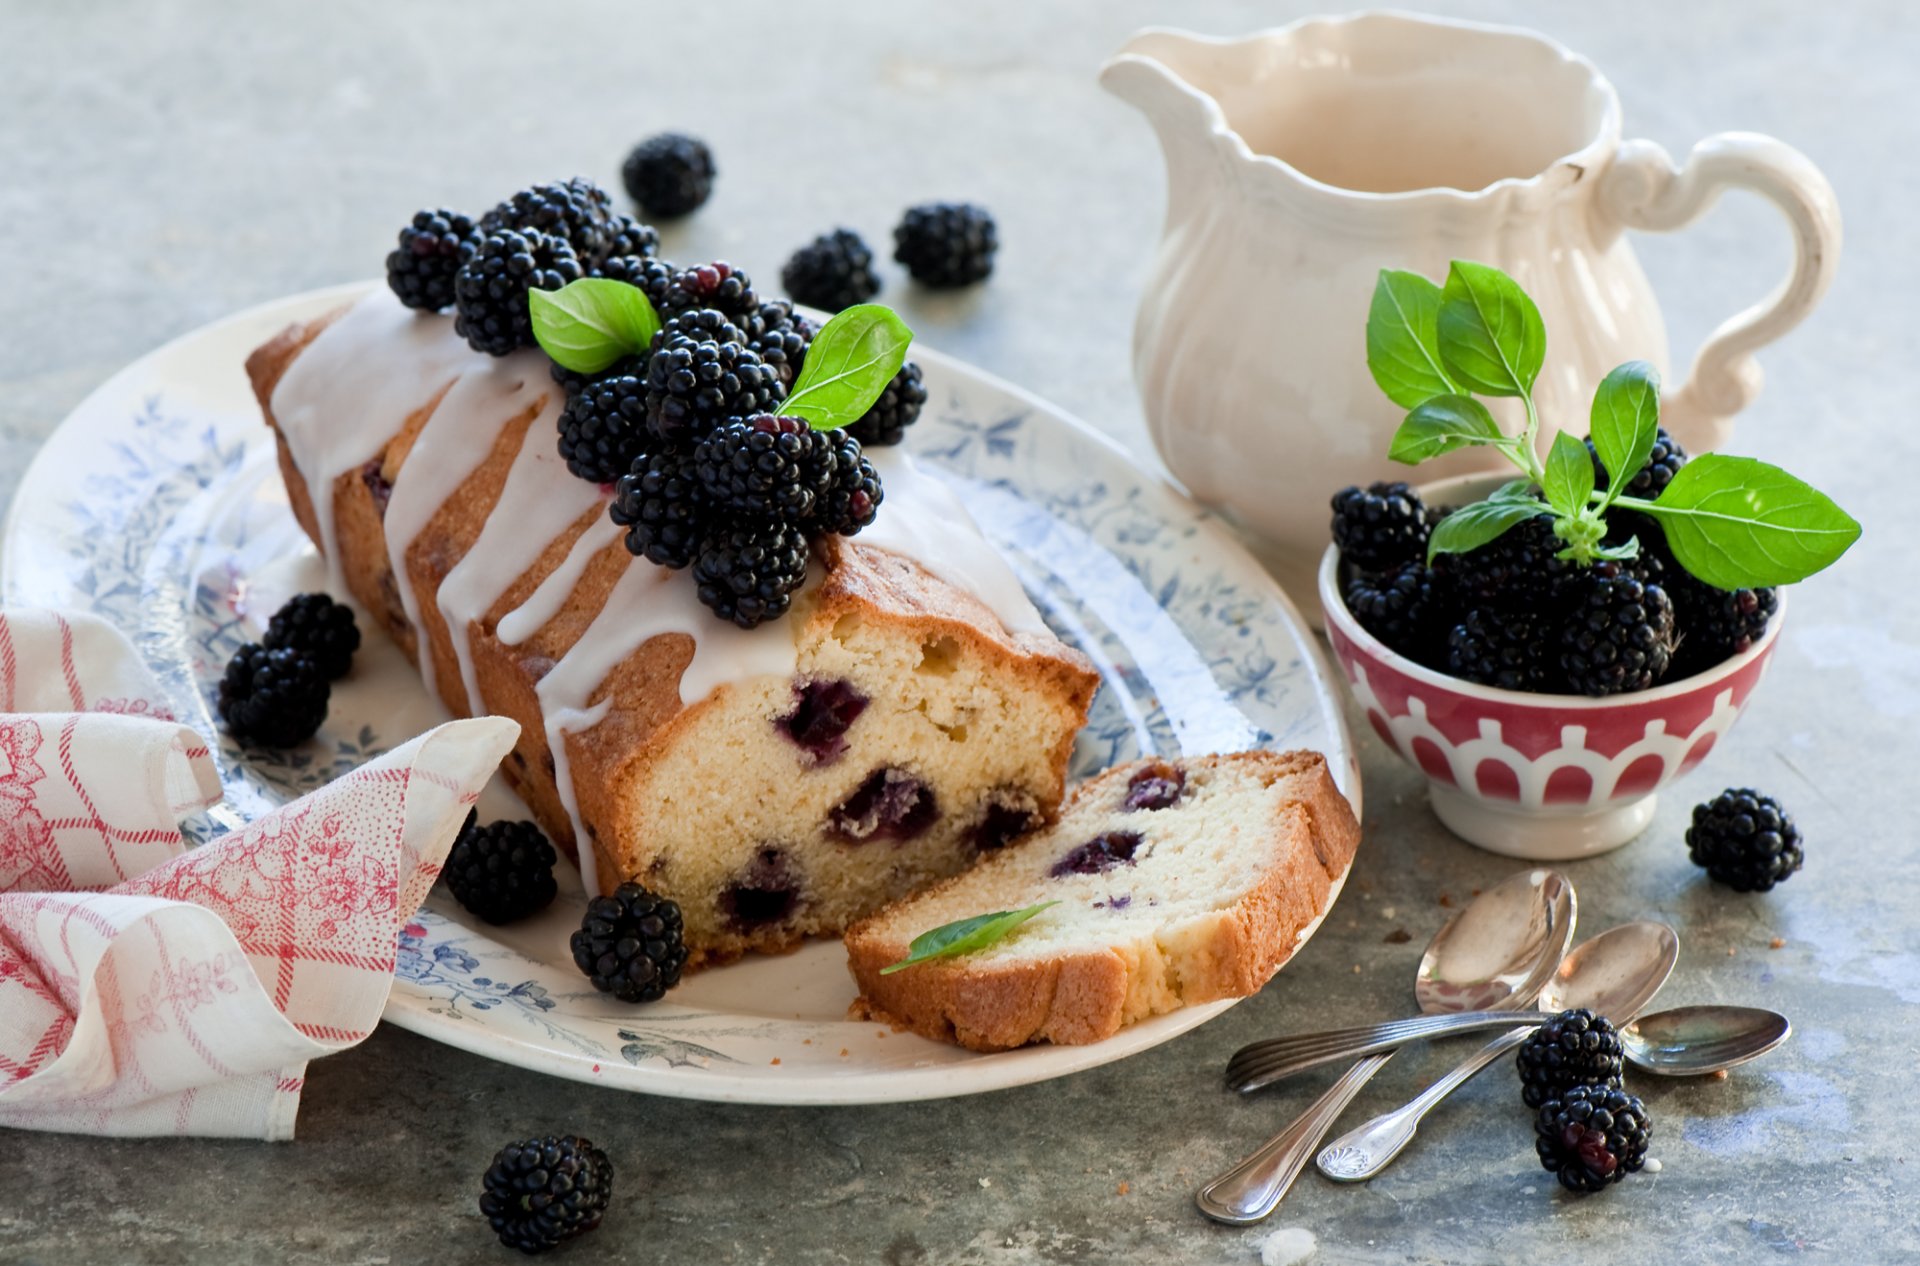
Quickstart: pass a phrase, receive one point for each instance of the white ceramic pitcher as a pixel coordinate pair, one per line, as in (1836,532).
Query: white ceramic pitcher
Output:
(1302,160)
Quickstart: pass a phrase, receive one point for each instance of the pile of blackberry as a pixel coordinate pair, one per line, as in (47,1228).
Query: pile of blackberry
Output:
(1513,615)
(274,692)
(1588,1131)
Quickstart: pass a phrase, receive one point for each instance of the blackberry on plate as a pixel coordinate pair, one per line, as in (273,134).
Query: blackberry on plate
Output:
(539,1193)
(1592,1136)
(854,497)
(1619,633)
(276,698)
(432,248)
(1744,840)
(1715,624)
(700,374)
(1380,526)
(747,573)
(577,210)
(603,423)
(657,503)
(1517,570)
(781,338)
(319,628)
(653,277)
(1662,464)
(1509,650)
(833,271)
(1574,1048)
(765,468)
(897,409)
(490,291)
(946,244)
(1402,607)
(719,286)
(502,871)
(629,944)
(628,238)
(669,174)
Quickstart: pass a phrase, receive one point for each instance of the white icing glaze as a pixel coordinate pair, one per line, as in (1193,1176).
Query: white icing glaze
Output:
(558,725)
(922,519)
(545,602)
(348,391)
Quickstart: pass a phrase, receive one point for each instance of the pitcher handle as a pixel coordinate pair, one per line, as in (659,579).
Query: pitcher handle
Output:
(1642,189)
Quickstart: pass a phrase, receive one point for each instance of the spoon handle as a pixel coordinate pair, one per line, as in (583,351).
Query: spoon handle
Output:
(1255,1187)
(1263,1063)
(1363,1152)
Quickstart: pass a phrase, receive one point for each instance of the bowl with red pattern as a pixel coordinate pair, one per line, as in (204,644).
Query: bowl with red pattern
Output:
(1538,776)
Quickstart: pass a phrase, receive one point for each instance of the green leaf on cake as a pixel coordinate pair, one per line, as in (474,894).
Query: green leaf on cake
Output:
(1403,339)
(849,363)
(1738,523)
(965,936)
(589,324)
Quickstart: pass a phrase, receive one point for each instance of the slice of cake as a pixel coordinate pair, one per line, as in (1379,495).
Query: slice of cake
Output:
(1178,882)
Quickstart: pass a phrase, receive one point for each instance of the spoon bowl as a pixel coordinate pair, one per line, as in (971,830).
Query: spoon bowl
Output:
(1615,974)
(1694,1041)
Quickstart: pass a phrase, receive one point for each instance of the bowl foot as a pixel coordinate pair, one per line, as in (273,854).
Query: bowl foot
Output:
(1536,835)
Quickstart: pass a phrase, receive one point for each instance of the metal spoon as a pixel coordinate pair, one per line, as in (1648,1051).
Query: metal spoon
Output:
(1499,951)
(1615,974)
(1694,1041)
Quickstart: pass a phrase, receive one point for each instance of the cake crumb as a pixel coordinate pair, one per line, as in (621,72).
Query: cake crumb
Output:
(1778,942)
(776,1059)
(1730,951)
(1399,936)
(985,1183)
(1123,1189)
(1653,1165)
(1388,913)
(1446,901)
(1719,1074)
(1289,1246)
(843,1052)
(1356,969)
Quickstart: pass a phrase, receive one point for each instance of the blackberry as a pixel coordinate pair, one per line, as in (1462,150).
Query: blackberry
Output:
(319,628)
(1662,464)
(276,698)
(854,497)
(1745,840)
(719,286)
(782,337)
(603,423)
(1517,570)
(946,244)
(1715,624)
(1592,1136)
(653,277)
(490,291)
(1509,650)
(669,174)
(833,271)
(897,409)
(765,468)
(539,1193)
(577,210)
(1381,526)
(1619,632)
(1574,1048)
(629,944)
(502,871)
(747,573)
(656,503)
(700,374)
(627,238)
(1402,607)
(421,269)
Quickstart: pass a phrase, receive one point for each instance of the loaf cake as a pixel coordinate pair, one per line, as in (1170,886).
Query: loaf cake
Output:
(910,712)
(1178,882)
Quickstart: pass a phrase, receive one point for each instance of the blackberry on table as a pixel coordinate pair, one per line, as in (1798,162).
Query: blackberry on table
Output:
(765,468)
(1574,1048)
(700,375)
(1509,650)
(490,291)
(629,944)
(669,175)
(1402,607)
(747,573)
(577,210)
(540,1193)
(657,502)
(316,626)
(603,423)
(897,409)
(1745,840)
(719,286)
(781,337)
(1715,624)
(502,871)
(1619,633)
(946,244)
(1592,1136)
(1380,526)
(833,271)
(276,698)
(853,499)
(1517,570)
(420,270)
(1662,464)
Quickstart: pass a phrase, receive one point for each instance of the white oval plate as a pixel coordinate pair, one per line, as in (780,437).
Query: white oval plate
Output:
(157,504)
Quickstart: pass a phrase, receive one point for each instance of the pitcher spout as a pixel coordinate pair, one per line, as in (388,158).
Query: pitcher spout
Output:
(1154,72)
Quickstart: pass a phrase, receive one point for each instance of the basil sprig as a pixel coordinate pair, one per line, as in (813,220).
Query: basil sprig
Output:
(1733,522)
(849,363)
(588,324)
(964,936)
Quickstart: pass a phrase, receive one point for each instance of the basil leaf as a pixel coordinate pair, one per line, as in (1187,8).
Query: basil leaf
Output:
(1516,490)
(966,935)
(1442,424)
(1491,336)
(1403,341)
(849,363)
(587,325)
(1470,527)
(1568,480)
(1737,523)
(1625,421)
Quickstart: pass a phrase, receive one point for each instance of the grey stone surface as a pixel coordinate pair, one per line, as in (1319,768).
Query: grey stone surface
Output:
(165,164)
